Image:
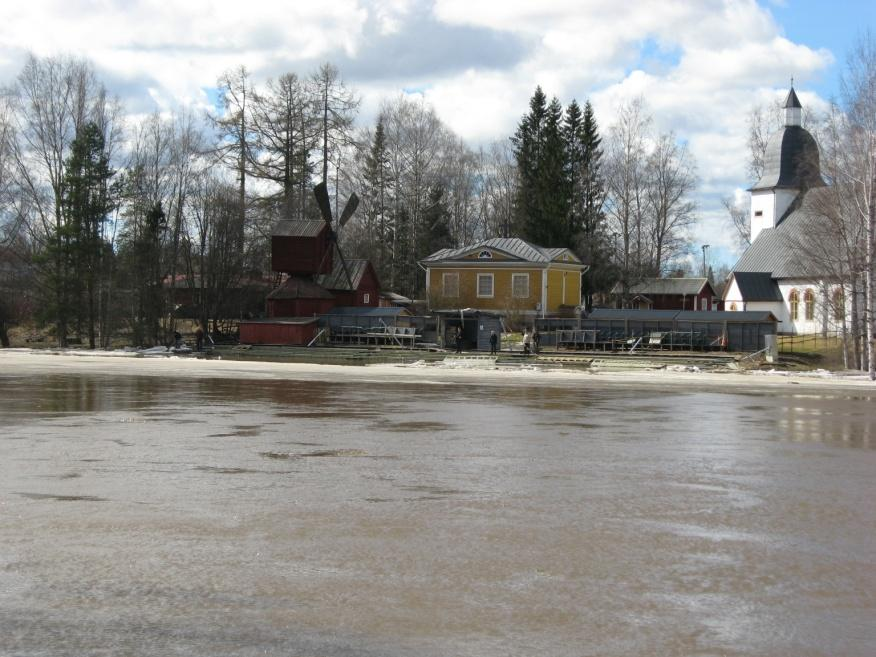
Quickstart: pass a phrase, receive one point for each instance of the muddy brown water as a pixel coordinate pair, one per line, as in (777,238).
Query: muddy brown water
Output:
(140,516)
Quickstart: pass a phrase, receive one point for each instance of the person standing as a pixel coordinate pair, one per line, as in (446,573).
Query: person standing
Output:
(458,340)
(494,342)
(199,338)
(536,340)
(527,341)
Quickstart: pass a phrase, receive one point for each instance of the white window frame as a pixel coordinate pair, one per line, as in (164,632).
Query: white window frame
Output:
(445,277)
(366,298)
(514,294)
(492,286)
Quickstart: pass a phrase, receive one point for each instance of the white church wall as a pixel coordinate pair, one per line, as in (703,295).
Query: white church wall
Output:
(733,297)
(767,207)
(762,212)
(801,325)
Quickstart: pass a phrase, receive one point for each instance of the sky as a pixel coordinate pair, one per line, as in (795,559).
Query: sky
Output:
(700,65)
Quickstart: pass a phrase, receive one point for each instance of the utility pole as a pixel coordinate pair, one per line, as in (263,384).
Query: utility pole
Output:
(705,271)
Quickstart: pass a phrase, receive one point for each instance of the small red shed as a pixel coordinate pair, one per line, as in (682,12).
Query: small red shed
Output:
(284,331)
(365,290)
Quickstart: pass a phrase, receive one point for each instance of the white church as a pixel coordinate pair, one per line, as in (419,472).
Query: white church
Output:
(772,274)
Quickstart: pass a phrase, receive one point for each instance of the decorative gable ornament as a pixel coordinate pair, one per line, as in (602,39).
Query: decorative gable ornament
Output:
(485,255)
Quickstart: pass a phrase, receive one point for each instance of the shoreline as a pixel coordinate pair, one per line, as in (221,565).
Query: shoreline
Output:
(28,361)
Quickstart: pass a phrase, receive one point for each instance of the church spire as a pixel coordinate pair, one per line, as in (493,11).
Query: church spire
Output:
(793,108)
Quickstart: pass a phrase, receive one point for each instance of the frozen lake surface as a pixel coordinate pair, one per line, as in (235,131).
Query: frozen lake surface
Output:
(334,516)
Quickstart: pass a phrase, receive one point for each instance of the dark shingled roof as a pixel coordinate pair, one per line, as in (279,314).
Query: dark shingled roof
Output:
(300,288)
(292,228)
(790,161)
(337,280)
(757,286)
(792,102)
(778,250)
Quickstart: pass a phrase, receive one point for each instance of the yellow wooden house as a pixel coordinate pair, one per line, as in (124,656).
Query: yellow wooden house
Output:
(504,275)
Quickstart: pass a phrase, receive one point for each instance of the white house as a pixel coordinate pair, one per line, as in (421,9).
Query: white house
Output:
(774,274)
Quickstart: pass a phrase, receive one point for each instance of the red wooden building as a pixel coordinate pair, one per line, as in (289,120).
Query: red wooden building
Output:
(316,278)
(361,289)
(292,330)
(668,294)
(301,247)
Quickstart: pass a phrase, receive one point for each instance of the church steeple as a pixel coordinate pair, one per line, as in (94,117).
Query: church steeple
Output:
(790,167)
(793,109)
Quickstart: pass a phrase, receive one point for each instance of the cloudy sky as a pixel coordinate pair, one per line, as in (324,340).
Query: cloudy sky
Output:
(700,64)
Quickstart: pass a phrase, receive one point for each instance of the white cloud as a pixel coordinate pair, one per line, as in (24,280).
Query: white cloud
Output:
(699,64)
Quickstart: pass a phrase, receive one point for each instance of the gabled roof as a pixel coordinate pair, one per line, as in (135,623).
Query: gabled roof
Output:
(296,228)
(337,280)
(756,286)
(777,250)
(512,246)
(654,286)
(300,288)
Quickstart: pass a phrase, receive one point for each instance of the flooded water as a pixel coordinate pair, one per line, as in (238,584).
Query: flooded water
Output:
(214,517)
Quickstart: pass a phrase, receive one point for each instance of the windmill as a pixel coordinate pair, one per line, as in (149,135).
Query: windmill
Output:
(303,250)
(325,208)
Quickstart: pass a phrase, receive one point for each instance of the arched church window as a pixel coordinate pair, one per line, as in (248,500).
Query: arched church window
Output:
(794,300)
(839,303)
(733,306)
(809,300)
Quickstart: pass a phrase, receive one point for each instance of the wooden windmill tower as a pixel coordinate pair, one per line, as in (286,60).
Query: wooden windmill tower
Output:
(303,251)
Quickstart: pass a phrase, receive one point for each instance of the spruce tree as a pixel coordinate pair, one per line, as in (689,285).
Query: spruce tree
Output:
(376,197)
(87,203)
(595,243)
(527,142)
(549,228)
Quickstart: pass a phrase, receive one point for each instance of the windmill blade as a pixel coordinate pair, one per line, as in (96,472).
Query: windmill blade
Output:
(344,265)
(349,209)
(322,200)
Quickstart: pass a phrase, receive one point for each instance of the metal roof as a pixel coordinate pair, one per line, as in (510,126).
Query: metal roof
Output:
(295,228)
(780,250)
(757,286)
(296,321)
(792,102)
(655,286)
(630,313)
(512,246)
(790,161)
(729,316)
(337,280)
(682,315)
